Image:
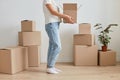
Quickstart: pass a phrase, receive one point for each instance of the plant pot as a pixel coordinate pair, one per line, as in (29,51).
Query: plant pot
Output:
(104,48)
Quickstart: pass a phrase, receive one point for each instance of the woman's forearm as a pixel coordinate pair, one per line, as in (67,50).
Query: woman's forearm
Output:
(58,14)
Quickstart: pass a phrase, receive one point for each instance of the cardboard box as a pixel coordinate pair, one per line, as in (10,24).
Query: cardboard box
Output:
(85,55)
(71,10)
(34,56)
(107,58)
(84,39)
(13,60)
(28,26)
(85,28)
(29,38)
(25,57)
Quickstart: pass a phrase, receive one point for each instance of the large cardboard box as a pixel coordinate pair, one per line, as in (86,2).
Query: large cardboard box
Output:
(84,39)
(85,28)
(85,55)
(28,26)
(13,60)
(107,58)
(71,10)
(34,56)
(29,38)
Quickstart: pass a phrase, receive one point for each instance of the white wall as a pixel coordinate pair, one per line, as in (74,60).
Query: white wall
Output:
(92,11)
(113,16)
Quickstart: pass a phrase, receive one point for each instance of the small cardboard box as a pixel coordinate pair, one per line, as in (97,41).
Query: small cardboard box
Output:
(13,60)
(84,39)
(71,10)
(85,55)
(85,28)
(28,26)
(34,56)
(107,58)
(29,38)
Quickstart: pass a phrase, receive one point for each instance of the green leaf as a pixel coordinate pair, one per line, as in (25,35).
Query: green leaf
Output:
(98,24)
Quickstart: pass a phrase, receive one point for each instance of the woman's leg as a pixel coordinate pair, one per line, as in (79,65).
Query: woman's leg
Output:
(52,30)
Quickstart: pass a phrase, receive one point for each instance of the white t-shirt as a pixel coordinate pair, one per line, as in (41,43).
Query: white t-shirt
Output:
(49,18)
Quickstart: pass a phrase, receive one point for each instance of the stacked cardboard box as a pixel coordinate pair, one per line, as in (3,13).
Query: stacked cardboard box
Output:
(84,39)
(85,50)
(107,58)
(34,56)
(28,26)
(31,39)
(85,28)
(13,59)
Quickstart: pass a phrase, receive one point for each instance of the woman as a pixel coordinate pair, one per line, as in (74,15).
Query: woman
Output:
(52,21)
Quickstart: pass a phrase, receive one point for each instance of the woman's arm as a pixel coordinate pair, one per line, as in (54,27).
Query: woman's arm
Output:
(56,13)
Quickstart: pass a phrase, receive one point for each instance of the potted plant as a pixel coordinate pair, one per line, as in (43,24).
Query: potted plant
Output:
(103,36)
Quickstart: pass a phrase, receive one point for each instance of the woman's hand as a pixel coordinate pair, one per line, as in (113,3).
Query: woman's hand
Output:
(68,19)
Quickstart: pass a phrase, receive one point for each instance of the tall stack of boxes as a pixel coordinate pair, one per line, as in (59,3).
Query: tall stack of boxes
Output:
(85,50)
(26,54)
(30,38)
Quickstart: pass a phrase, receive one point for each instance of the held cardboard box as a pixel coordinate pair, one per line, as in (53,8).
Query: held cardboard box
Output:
(107,58)
(13,60)
(29,38)
(84,39)
(71,10)
(85,55)
(34,56)
(85,28)
(28,26)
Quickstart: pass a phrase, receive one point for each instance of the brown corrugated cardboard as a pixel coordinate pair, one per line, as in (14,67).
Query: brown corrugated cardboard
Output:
(28,26)
(13,60)
(84,39)
(85,55)
(71,10)
(25,57)
(107,58)
(85,28)
(34,56)
(29,38)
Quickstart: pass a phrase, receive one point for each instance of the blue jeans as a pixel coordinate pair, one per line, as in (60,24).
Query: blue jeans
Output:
(52,30)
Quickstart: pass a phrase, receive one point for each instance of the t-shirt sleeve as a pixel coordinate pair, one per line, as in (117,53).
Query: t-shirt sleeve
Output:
(48,2)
